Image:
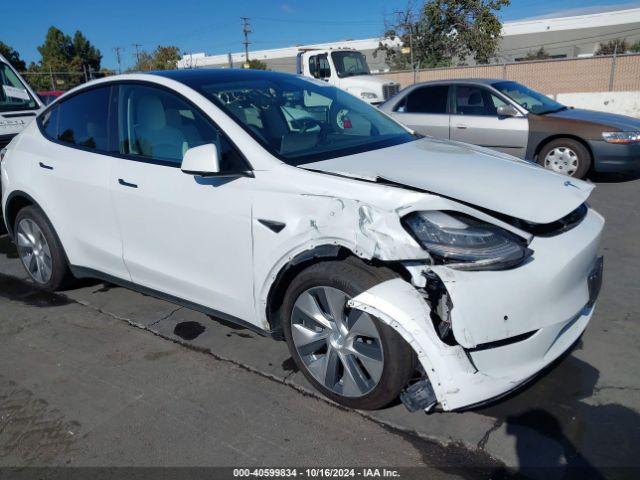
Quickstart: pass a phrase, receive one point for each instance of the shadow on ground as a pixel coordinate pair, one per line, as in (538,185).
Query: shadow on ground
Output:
(554,426)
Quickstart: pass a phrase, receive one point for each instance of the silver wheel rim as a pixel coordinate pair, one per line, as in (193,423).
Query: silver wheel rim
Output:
(339,346)
(562,160)
(34,250)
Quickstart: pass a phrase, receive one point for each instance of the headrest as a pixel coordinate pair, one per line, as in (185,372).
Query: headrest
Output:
(475,98)
(151,113)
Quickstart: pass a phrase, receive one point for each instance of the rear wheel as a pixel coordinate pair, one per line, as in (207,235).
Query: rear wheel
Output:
(350,356)
(40,250)
(566,156)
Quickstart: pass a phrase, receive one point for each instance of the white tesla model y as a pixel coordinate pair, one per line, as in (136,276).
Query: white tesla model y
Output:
(392,264)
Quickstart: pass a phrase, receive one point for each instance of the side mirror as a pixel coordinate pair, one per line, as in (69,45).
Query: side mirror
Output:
(203,160)
(507,111)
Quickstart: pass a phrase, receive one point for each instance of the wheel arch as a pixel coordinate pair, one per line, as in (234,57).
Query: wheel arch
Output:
(16,201)
(287,273)
(545,141)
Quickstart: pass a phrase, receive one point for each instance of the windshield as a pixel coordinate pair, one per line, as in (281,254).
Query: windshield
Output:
(531,100)
(13,94)
(300,120)
(349,64)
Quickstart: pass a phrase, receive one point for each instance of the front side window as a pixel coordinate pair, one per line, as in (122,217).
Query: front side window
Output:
(13,94)
(426,100)
(301,121)
(531,100)
(477,101)
(157,125)
(82,120)
(349,64)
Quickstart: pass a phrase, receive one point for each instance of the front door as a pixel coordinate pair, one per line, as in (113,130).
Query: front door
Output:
(183,235)
(475,120)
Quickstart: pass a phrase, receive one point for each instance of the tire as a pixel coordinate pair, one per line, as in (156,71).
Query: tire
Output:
(378,382)
(566,156)
(48,267)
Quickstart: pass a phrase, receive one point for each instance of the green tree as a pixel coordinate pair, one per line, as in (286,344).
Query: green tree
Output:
(162,58)
(540,54)
(615,45)
(444,31)
(257,64)
(635,48)
(13,56)
(76,56)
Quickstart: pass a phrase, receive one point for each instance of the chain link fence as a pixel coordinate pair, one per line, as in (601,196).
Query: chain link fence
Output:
(607,73)
(49,81)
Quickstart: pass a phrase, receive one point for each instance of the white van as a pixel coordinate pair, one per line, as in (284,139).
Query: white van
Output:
(18,103)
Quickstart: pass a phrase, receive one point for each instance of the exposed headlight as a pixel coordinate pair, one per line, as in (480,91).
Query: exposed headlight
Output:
(368,95)
(465,243)
(621,137)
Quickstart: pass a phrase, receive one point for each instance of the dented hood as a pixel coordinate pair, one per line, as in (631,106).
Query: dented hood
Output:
(467,173)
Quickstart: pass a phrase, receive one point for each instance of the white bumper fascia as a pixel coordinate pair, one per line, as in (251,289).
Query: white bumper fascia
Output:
(499,354)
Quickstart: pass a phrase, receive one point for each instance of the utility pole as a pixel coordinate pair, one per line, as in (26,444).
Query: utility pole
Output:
(137,47)
(118,59)
(246,30)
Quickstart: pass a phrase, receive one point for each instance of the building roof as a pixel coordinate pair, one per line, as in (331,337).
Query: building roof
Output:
(519,27)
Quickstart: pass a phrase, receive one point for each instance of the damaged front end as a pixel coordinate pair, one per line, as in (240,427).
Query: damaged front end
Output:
(485,301)
(481,333)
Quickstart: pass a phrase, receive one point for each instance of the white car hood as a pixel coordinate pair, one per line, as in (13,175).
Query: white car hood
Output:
(470,174)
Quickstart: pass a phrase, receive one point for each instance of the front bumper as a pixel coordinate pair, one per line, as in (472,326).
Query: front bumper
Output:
(611,157)
(509,325)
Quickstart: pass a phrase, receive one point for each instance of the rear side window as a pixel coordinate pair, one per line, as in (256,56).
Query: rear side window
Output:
(426,100)
(82,120)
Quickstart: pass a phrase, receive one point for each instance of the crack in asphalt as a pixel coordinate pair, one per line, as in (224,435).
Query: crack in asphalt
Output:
(485,438)
(167,316)
(392,427)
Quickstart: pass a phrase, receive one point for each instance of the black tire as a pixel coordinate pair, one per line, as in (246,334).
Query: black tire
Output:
(352,277)
(581,152)
(60,273)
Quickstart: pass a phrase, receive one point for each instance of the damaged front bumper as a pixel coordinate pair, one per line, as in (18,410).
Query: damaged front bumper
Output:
(508,325)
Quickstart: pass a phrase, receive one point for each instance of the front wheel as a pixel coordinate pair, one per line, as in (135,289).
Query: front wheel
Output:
(350,356)
(566,156)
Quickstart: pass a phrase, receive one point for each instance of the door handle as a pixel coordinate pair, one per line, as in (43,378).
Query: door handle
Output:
(461,127)
(127,184)
(45,166)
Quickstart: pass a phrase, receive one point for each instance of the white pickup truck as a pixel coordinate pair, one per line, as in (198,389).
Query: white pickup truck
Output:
(346,69)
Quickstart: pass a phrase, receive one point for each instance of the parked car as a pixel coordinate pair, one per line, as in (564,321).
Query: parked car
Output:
(49,96)
(509,117)
(391,264)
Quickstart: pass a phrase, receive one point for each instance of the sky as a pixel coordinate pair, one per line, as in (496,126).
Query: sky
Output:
(214,26)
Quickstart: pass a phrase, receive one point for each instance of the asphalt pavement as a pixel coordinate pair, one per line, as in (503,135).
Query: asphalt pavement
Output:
(100,376)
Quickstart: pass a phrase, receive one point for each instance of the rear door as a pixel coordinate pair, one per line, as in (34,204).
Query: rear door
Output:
(425,110)
(475,120)
(71,175)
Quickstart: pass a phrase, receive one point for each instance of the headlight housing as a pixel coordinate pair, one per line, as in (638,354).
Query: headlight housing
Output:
(368,95)
(621,137)
(465,243)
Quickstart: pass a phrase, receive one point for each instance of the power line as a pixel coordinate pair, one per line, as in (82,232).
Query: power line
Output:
(118,59)
(246,30)
(137,46)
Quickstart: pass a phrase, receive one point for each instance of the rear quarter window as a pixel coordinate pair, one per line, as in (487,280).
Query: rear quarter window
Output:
(82,120)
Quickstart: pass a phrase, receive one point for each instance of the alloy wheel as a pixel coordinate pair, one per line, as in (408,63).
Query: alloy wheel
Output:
(562,160)
(339,346)
(34,251)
